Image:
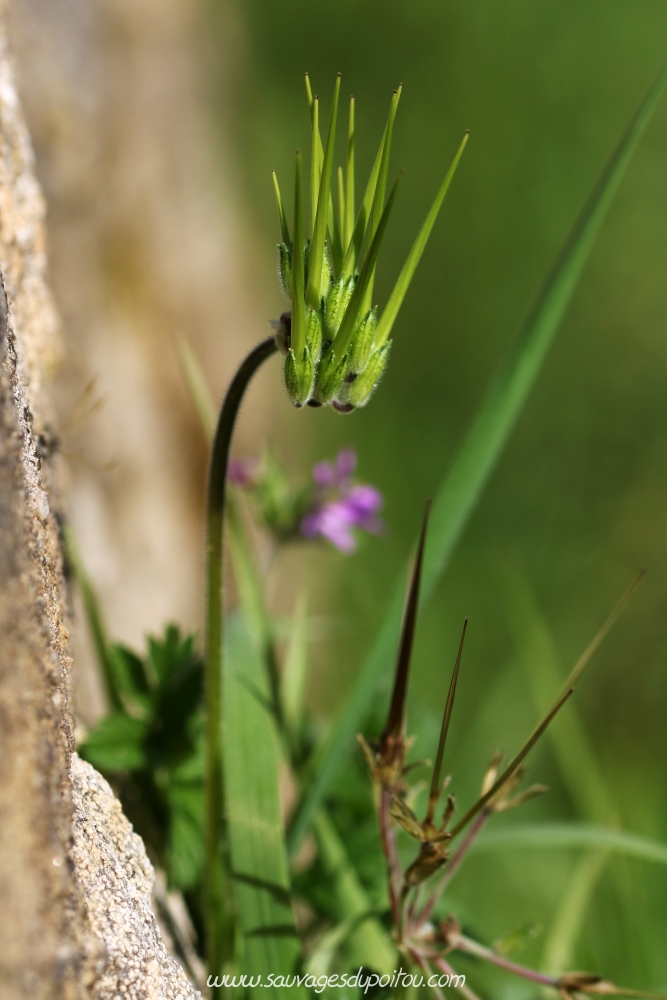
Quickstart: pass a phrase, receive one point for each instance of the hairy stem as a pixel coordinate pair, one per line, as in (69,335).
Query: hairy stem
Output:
(445,967)
(218,903)
(460,943)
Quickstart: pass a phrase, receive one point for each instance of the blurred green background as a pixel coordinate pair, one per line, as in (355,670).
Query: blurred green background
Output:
(578,501)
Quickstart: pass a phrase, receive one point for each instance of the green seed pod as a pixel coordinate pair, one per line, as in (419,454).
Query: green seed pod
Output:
(360,391)
(330,375)
(327,269)
(314,333)
(361,346)
(285,269)
(299,376)
(337,301)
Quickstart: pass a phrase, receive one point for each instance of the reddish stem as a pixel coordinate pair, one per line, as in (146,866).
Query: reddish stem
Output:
(388,836)
(460,943)
(453,866)
(444,966)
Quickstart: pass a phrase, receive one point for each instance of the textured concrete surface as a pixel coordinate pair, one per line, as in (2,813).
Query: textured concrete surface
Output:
(41,953)
(75,919)
(117,878)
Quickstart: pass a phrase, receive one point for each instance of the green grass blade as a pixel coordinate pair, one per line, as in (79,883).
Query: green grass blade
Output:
(574,754)
(368,943)
(348,226)
(198,388)
(481,449)
(296,667)
(567,925)
(94,618)
(298,305)
(561,836)
(284,228)
(354,311)
(405,277)
(256,841)
(321,218)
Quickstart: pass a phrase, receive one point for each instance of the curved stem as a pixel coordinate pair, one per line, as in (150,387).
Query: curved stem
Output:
(218,903)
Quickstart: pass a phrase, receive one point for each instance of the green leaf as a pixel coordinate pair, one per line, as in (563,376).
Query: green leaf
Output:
(170,655)
(470,471)
(185,837)
(368,943)
(405,277)
(130,678)
(549,836)
(320,227)
(353,313)
(256,839)
(116,744)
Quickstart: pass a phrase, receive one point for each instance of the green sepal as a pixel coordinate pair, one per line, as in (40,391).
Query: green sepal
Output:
(361,345)
(314,333)
(285,269)
(337,302)
(299,376)
(330,376)
(361,390)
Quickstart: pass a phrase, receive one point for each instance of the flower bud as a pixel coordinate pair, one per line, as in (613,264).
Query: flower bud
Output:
(361,345)
(285,269)
(330,375)
(299,376)
(314,333)
(360,391)
(336,304)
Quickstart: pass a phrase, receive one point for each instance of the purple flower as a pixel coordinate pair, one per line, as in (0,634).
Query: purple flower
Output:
(242,472)
(327,474)
(341,507)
